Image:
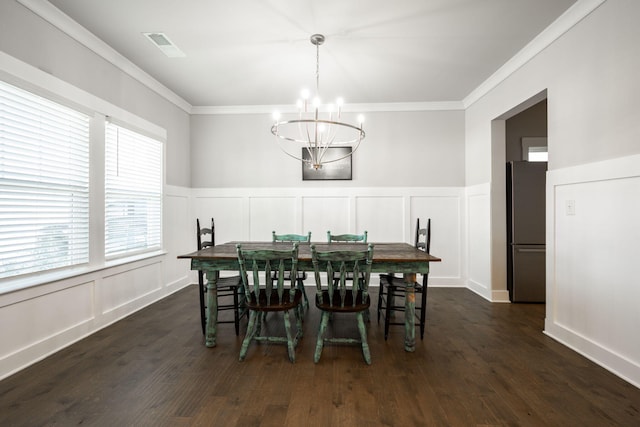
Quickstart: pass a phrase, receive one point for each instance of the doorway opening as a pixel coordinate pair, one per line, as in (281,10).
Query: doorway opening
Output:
(526,166)
(518,135)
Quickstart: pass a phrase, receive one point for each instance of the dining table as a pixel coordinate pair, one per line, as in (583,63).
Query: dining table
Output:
(400,258)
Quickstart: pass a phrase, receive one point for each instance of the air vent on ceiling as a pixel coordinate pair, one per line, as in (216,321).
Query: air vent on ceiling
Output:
(162,42)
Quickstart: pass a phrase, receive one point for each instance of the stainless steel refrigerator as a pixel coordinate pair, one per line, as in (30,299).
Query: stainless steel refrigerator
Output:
(526,231)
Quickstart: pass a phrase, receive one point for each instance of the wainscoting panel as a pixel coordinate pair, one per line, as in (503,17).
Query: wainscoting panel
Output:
(228,212)
(593,237)
(267,214)
(124,287)
(36,319)
(384,214)
(322,214)
(479,240)
(179,234)
(388,214)
(445,211)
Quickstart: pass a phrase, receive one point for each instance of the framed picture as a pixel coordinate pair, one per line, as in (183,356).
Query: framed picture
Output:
(338,170)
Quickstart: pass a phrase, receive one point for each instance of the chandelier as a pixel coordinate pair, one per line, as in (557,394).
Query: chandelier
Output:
(317,127)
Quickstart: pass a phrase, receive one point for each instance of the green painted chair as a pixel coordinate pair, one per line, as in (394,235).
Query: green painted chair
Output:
(392,288)
(346,238)
(302,275)
(273,295)
(340,297)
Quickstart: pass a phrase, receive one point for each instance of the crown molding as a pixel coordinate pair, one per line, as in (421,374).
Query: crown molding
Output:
(348,108)
(554,31)
(64,23)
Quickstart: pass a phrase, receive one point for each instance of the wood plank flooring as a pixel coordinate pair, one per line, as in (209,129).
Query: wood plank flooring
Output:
(480,364)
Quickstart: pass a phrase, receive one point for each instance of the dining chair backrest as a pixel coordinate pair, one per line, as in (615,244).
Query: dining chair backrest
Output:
(290,237)
(339,263)
(206,237)
(301,275)
(423,236)
(262,263)
(347,237)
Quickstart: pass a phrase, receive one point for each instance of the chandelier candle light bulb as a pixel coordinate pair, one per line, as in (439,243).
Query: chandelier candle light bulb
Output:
(314,131)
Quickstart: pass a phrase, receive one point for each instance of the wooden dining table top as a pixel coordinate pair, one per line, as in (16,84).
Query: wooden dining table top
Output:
(399,257)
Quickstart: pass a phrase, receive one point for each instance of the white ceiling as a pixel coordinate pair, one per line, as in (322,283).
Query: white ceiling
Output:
(257,52)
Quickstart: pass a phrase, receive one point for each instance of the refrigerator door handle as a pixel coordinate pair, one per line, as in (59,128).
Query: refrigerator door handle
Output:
(529,250)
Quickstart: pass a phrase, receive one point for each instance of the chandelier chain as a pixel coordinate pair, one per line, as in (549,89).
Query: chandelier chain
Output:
(318,69)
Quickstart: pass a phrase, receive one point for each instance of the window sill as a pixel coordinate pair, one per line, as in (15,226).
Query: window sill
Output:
(38,279)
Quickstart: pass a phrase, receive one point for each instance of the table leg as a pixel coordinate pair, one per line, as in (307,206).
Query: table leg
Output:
(212,307)
(410,312)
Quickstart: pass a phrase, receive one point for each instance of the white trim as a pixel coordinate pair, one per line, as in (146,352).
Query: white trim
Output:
(560,26)
(348,108)
(621,167)
(265,192)
(37,281)
(616,363)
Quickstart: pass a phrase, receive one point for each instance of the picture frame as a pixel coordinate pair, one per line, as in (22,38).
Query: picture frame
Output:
(337,170)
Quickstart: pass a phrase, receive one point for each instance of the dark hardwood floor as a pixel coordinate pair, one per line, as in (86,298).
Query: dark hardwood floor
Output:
(479,364)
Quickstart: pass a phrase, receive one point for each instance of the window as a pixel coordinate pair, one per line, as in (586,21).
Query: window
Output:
(534,149)
(133,192)
(44,184)
(537,154)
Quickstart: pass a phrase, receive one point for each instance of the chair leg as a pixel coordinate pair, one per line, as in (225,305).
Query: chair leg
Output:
(423,307)
(305,305)
(202,290)
(321,331)
(298,315)
(236,312)
(262,318)
(380,294)
(254,317)
(363,337)
(388,307)
(291,348)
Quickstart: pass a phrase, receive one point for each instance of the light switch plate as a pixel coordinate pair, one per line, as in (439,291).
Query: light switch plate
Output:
(570,206)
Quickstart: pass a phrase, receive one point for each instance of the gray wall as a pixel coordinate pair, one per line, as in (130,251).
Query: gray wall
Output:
(401,149)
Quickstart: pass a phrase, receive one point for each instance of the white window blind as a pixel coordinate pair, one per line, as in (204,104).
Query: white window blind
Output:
(538,154)
(44,184)
(133,192)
